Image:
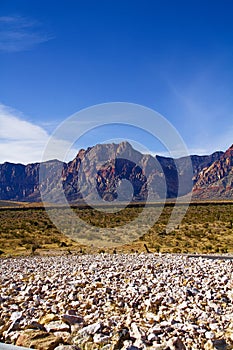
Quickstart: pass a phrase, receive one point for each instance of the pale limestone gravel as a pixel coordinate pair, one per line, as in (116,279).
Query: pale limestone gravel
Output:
(121,301)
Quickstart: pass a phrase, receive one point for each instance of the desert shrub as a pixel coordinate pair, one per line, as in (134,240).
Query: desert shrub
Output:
(101,251)
(34,247)
(224,250)
(27,241)
(176,250)
(157,248)
(208,247)
(55,240)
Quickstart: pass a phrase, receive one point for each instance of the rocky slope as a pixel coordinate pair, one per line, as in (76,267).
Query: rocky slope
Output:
(100,171)
(117,172)
(18,181)
(216,181)
(21,182)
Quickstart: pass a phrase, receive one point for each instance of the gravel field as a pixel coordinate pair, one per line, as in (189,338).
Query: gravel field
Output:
(121,301)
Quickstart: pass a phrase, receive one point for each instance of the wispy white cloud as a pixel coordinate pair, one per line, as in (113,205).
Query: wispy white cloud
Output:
(19,33)
(14,128)
(22,141)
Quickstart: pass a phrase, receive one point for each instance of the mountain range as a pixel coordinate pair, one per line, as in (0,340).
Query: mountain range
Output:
(119,172)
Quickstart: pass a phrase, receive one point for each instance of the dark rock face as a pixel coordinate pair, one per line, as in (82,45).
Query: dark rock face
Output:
(201,162)
(171,175)
(117,171)
(111,174)
(99,171)
(18,181)
(170,167)
(21,182)
(216,181)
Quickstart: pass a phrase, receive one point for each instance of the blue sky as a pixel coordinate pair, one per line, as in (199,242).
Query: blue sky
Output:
(58,57)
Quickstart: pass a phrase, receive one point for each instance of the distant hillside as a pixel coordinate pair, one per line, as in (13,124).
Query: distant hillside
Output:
(101,171)
(216,180)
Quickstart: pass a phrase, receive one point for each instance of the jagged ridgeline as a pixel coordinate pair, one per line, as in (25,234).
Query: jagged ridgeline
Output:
(119,172)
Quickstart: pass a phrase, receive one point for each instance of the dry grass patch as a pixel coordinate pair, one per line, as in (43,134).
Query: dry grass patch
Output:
(206,228)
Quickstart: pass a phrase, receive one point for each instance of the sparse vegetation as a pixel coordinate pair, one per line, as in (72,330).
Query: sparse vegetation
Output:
(25,231)
(206,228)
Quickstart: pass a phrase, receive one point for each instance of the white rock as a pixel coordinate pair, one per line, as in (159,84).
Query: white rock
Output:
(209,335)
(91,329)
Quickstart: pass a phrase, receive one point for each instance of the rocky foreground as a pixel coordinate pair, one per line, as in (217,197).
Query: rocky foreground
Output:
(128,301)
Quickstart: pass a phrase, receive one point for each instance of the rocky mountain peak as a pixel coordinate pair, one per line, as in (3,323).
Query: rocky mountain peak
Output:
(229,152)
(101,169)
